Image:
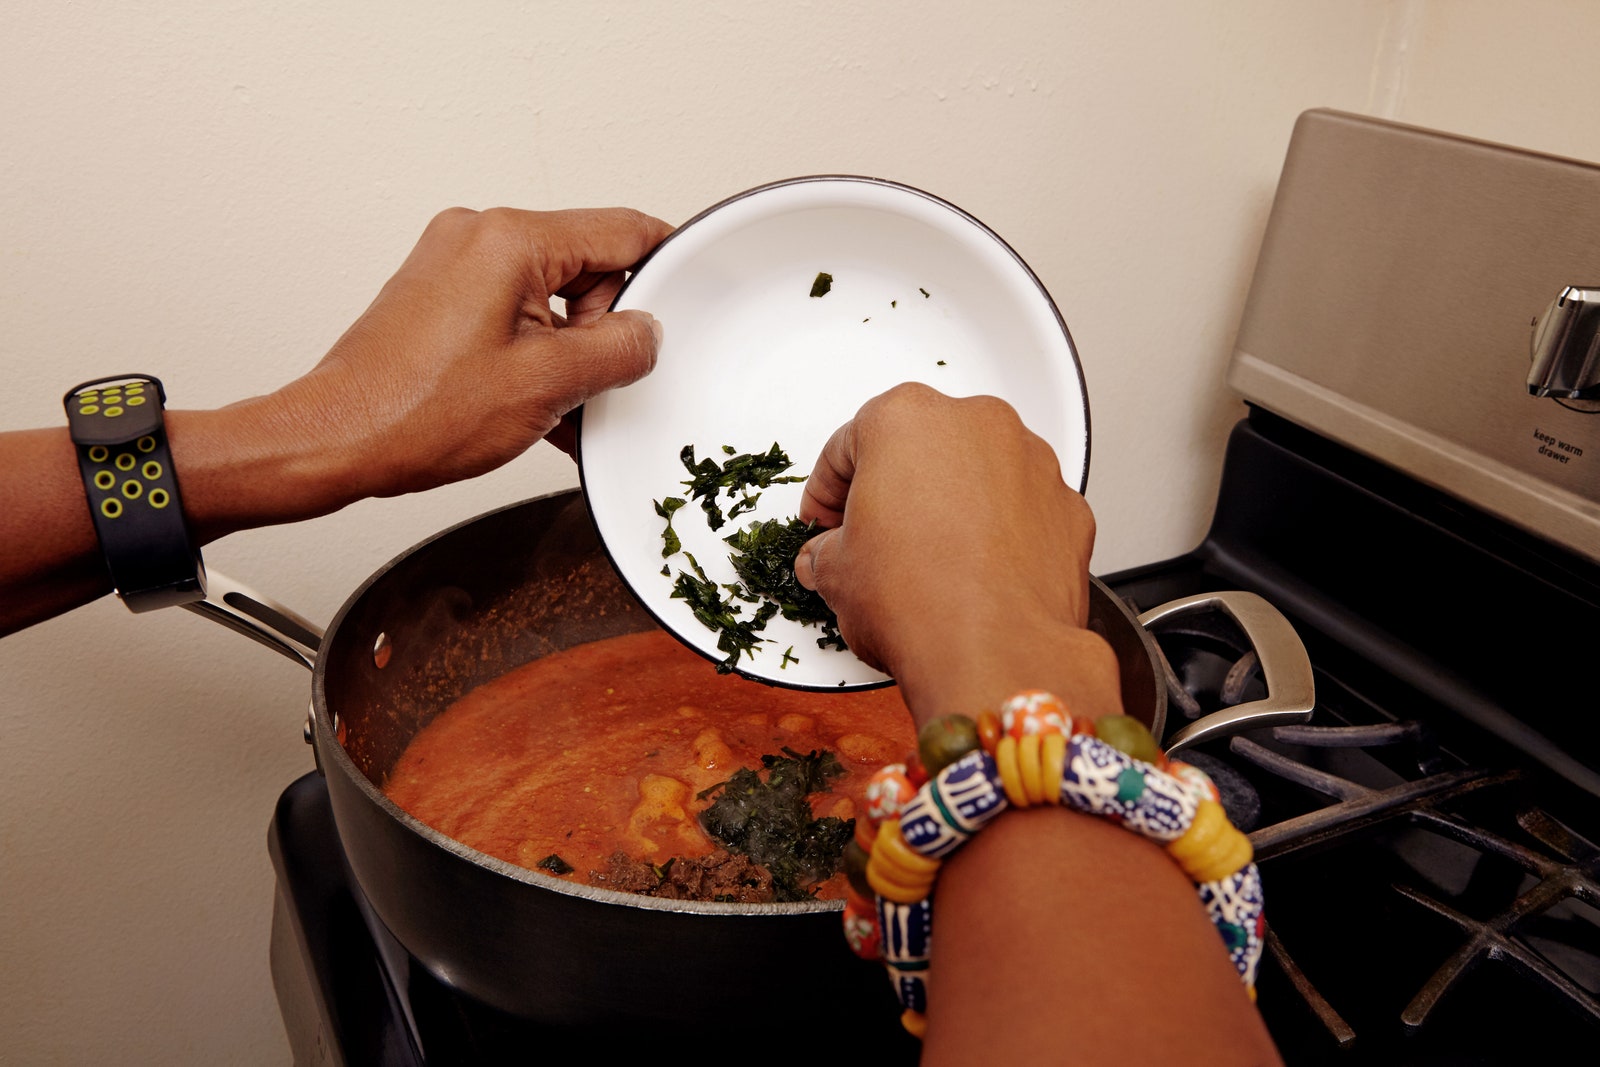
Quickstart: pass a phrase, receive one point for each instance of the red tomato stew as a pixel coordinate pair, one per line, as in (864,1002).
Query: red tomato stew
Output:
(590,763)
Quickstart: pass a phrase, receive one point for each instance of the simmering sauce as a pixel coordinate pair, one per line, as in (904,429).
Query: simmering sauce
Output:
(605,746)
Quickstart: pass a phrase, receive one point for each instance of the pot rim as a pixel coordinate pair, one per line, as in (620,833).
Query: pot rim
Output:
(332,757)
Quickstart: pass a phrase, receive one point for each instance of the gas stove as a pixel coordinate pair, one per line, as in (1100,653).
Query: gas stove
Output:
(1416,488)
(1428,839)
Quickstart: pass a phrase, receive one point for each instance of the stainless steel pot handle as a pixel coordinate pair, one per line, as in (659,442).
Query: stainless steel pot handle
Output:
(245,611)
(1285,667)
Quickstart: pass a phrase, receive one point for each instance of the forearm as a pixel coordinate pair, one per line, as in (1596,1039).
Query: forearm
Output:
(956,558)
(458,366)
(1077,939)
(238,467)
(1080,942)
(265,461)
(51,560)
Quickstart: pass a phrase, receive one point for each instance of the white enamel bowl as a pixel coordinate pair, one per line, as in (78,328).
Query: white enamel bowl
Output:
(921,291)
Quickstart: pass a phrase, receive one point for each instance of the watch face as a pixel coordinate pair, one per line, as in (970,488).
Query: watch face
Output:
(114,410)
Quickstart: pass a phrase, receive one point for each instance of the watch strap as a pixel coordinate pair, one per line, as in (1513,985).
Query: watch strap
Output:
(118,428)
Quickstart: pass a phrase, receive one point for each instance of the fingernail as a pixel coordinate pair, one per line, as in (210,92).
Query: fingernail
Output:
(803,571)
(656,329)
(805,562)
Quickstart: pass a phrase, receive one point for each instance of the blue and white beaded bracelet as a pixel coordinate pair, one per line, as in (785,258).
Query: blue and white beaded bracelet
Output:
(1033,753)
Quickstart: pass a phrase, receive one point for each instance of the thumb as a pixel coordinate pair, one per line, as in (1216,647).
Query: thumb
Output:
(809,571)
(615,350)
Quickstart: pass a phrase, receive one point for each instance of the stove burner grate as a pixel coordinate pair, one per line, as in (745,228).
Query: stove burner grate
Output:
(1543,928)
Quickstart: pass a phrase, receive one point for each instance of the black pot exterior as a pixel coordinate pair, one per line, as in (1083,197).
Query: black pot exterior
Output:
(569,960)
(468,605)
(1144,684)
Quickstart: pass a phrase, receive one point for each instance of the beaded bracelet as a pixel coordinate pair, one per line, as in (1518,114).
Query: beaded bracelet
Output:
(1033,752)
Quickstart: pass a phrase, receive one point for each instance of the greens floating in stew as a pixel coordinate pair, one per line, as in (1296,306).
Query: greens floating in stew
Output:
(770,820)
(555,864)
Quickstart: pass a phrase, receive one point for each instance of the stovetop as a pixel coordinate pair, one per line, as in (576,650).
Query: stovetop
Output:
(1426,841)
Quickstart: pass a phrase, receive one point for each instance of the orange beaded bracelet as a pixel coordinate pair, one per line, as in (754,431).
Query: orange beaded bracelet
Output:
(1033,752)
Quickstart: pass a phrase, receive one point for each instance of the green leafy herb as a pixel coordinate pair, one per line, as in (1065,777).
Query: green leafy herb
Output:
(821,284)
(747,503)
(741,472)
(670,544)
(736,636)
(770,820)
(788,658)
(555,865)
(763,557)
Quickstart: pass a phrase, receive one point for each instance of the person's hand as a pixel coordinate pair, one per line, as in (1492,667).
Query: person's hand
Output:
(461,363)
(956,558)
(458,366)
(957,561)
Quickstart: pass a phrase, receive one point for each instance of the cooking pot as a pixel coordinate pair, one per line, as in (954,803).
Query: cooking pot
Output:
(482,598)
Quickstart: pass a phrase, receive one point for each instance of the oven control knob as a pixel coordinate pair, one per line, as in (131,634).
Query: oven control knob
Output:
(1566,347)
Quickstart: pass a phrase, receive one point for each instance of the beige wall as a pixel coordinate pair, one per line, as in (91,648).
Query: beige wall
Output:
(212,191)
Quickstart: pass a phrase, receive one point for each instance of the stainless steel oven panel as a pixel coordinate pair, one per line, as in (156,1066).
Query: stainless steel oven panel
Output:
(1401,284)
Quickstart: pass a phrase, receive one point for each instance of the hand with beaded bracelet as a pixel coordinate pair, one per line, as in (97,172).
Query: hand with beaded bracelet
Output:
(1033,753)
(956,560)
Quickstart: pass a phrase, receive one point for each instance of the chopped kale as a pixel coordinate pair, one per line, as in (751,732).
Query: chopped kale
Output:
(741,472)
(736,636)
(555,864)
(770,820)
(788,658)
(821,284)
(763,557)
(830,638)
(670,544)
(746,503)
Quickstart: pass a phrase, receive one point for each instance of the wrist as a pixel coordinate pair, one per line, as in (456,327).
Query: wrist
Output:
(254,464)
(976,671)
(1042,756)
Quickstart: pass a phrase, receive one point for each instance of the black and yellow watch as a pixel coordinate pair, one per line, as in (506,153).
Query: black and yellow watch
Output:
(120,434)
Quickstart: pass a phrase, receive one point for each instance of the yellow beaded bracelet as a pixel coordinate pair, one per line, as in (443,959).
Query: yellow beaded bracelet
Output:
(1034,752)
